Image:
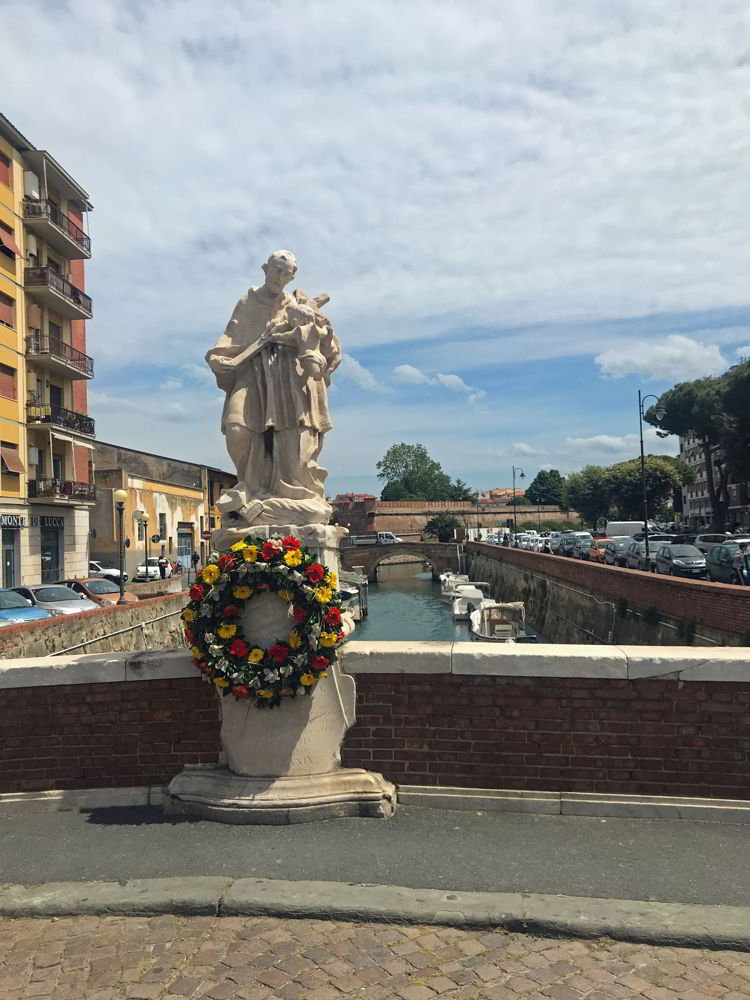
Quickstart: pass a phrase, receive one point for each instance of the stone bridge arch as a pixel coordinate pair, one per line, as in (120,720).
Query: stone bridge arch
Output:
(442,556)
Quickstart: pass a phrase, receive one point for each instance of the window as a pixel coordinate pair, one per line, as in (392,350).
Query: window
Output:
(162,527)
(55,330)
(6,310)
(8,244)
(11,462)
(5,172)
(7,382)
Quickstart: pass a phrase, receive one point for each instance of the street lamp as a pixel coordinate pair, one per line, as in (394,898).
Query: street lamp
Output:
(144,518)
(659,412)
(120,497)
(522,475)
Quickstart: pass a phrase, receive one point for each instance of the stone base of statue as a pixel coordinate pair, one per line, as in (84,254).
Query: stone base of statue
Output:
(283,765)
(322,539)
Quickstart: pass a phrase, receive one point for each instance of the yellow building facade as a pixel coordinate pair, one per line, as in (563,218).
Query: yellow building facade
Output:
(46,435)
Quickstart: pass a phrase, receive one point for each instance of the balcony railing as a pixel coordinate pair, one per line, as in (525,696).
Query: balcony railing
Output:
(44,209)
(61,489)
(48,277)
(38,343)
(49,413)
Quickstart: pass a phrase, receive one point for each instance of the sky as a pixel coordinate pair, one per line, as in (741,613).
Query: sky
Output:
(523,212)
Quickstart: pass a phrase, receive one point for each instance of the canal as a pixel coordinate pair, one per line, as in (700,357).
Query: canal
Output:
(405,605)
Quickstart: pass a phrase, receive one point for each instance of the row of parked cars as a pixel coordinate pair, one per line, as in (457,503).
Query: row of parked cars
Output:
(67,597)
(708,555)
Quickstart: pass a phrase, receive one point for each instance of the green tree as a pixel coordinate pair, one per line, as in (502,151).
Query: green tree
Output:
(442,525)
(589,492)
(626,486)
(547,487)
(735,436)
(411,474)
(462,491)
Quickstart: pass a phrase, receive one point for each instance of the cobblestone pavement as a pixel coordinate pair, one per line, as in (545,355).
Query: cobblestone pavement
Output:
(250,958)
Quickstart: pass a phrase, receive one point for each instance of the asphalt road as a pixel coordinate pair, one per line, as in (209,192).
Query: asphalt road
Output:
(669,861)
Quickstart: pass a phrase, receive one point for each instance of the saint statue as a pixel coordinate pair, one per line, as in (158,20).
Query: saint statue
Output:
(274,362)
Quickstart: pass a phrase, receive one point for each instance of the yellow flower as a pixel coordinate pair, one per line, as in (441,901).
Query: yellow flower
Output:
(250,554)
(307,680)
(211,573)
(293,557)
(328,638)
(188,615)
(323,594)
(265,693)
(295,640)
(221,682)
(195,653)
(239,546)
(256,655)
(332,578)
(242,591)
(286,595)
(227,631)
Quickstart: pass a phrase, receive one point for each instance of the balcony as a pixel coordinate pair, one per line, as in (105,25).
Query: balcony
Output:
(58,416)
(45,219)
(61,489)
(58,356)
(49,287)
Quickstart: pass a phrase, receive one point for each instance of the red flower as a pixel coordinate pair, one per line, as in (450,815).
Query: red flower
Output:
(241,691)
(333,616)
(229,610)
(269,550)
(189,637)
(239,648)
(290,542)
(278,652)
(319,663)
(197,591)
(226,562)
(299,615)
(341,636)
(314,572)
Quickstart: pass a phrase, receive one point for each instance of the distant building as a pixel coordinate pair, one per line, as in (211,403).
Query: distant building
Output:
(179,498)
(46,435)
(500,495)
(696,502)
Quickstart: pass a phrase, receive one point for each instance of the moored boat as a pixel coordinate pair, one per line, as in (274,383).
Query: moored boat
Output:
(467,599)
(494,621)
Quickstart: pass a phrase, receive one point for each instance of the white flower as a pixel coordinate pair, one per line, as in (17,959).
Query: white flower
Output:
(300,692)
(216,650)
(209,637)
(270,675)
(297,576)
(206,610)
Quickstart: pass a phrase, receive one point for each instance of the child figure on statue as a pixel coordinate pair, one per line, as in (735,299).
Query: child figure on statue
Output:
(299,327)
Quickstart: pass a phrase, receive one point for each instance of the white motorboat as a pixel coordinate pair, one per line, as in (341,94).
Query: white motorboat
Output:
(450,580)
(451,592)
(467,599)
(494,621)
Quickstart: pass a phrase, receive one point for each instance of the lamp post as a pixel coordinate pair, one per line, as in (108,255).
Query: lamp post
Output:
(659,411)
(144,518)
(120,497)
(521,475)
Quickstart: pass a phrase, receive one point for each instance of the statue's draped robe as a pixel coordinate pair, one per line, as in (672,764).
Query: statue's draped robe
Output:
(285,419)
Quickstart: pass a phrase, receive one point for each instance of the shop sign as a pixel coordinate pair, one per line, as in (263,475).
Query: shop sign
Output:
(13,521)
(47,522)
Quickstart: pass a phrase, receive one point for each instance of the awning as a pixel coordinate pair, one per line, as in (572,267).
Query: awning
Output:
(63,437)
(12,461)
(83,444)
(9,242)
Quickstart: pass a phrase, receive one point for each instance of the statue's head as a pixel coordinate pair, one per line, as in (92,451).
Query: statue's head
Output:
(280,268)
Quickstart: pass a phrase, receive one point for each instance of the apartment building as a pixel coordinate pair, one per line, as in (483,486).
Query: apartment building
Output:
(46,435)
(696,502)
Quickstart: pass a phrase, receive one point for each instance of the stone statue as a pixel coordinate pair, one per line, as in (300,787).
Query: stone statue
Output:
(274,362)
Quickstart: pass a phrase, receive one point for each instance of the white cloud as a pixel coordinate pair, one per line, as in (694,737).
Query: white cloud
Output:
(170,384)
(408,373)
(453,382)
(743,352)
(675,357)
(358,373)
(525,449)
(613,447)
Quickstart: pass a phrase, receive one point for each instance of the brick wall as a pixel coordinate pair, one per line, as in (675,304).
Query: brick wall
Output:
(409,516)
(549,733)
(715,605)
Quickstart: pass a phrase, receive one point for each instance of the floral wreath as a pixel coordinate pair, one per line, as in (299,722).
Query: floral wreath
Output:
(227,657)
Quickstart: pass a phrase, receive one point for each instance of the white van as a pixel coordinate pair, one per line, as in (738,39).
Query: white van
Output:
(615,528)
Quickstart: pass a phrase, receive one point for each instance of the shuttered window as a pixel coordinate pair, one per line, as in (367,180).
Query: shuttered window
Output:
(6,310)
(4,169)
(10,458)
(7,382)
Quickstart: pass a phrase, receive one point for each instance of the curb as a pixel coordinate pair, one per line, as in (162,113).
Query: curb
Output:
(673,924)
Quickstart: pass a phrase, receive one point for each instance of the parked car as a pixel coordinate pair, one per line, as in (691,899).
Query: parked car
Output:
(568,541)
(102,571)
(582,547)
(153,570)
(719,568)
(615,550)
(100,591)
(554,540)
(680,560)
(15,609)
(57,598)
(706,542)
(635,556)
(598,549)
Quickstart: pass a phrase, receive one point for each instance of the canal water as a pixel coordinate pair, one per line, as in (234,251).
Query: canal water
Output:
(405,604)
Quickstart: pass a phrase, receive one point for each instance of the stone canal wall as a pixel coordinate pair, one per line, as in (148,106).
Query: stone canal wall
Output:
(614,720)
(42,638)
(569,600)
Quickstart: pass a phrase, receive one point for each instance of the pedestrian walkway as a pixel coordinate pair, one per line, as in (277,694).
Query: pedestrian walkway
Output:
(252,958)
